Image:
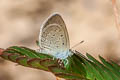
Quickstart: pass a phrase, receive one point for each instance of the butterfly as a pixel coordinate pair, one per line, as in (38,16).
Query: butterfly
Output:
(53,37)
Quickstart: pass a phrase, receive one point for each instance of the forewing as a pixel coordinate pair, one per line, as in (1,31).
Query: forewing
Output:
(54,36)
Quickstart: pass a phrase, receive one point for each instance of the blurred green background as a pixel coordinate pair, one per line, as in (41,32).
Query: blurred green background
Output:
(89,20)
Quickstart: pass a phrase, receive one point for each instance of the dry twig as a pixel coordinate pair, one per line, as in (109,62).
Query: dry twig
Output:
(115,9)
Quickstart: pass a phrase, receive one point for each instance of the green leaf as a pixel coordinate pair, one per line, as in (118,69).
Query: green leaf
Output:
(35,63)
(74,67)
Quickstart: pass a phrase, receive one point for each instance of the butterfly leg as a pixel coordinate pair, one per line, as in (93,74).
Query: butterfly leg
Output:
(60,62)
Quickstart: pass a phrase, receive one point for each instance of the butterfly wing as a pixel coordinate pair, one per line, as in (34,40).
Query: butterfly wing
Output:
(54,37)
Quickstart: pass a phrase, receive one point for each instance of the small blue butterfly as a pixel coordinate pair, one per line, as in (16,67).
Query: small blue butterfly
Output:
(53,38)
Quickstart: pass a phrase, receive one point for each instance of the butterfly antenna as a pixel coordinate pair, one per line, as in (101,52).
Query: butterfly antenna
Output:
(77,44)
